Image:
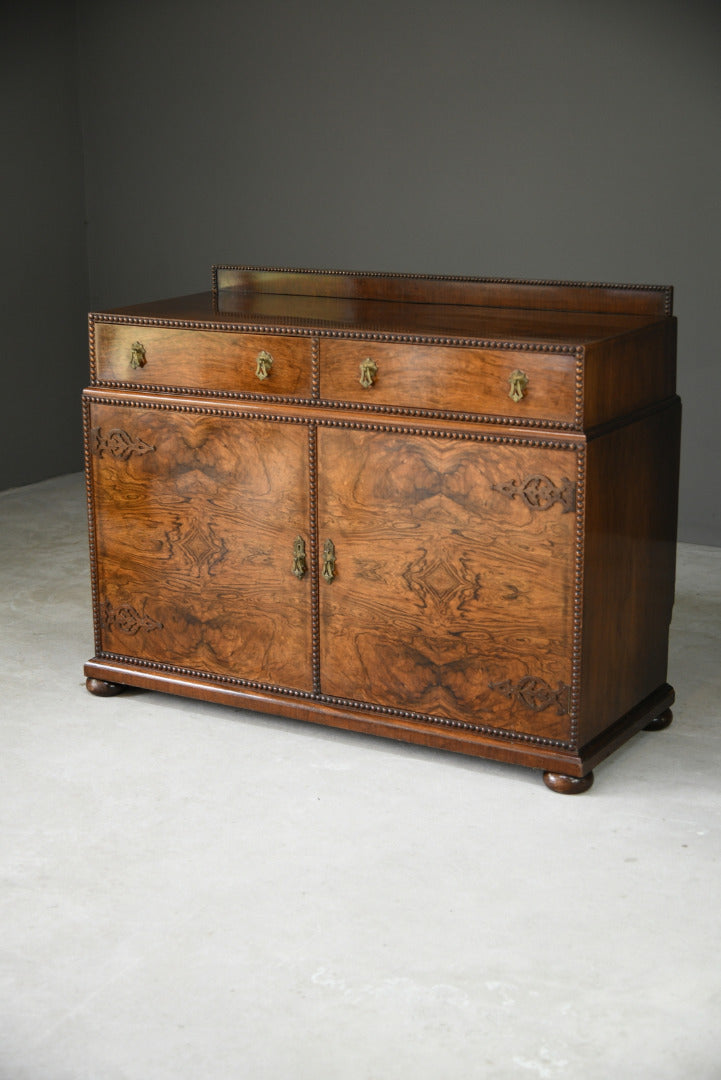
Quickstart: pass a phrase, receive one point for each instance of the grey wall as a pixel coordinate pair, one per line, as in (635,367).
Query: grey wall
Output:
(563,139)
(43,270)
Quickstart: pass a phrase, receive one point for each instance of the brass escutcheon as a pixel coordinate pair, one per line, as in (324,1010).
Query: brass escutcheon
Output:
(299,564)
(368,372)
(137,355)
(519,382)
(329,561)
(263,364)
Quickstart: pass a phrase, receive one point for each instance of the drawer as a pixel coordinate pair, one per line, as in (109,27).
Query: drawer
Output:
(449,379)
(203,359)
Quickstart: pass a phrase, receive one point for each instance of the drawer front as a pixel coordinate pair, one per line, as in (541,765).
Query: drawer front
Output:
(444,378)
(203,359)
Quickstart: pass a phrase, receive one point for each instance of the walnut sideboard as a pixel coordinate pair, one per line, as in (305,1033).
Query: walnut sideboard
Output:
(437,509)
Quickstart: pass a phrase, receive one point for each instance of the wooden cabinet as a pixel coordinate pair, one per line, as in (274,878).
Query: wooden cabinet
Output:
(402,505)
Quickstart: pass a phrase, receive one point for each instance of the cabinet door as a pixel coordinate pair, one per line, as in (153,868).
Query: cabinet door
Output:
(195,519)
(453,592)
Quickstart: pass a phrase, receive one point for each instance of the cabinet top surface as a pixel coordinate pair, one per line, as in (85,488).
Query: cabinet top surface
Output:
(473,308)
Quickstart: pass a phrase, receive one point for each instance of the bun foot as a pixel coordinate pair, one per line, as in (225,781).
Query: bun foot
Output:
(103,689)
(660,722)
(567,785)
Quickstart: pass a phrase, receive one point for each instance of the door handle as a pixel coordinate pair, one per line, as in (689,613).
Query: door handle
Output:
(328,561)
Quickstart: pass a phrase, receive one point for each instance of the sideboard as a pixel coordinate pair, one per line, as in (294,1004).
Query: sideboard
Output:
(437,509)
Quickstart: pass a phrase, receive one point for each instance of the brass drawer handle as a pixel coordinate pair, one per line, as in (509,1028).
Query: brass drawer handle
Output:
(138,358)
(263,364)
(299,563)
(368,372)
(329,561)
(519,382)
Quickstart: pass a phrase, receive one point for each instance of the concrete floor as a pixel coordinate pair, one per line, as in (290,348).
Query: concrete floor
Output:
(191,892)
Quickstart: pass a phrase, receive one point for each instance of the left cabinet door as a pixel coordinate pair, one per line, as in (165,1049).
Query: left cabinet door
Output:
(199,522)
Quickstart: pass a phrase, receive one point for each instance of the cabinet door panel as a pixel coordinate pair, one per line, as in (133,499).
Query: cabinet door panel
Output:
(195,519)
(454,577)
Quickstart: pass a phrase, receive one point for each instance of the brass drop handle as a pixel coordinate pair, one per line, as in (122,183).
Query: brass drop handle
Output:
(519,382)
(299,563)
(263,364)
(368,372)
(138,358)
(328,561)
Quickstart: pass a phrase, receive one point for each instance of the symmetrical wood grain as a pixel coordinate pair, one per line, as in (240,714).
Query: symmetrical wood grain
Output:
(441,589)
(118,443)
(374,535)
(540,492)
(195,544)
(536,694)
(127,619)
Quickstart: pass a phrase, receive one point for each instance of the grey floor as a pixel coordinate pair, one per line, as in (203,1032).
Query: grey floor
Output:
(187,891)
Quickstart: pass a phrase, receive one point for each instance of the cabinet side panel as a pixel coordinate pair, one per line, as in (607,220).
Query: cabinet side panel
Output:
(630,553)
(623,375)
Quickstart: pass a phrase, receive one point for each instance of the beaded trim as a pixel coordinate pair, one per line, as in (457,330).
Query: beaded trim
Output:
(325,699)
(386,275)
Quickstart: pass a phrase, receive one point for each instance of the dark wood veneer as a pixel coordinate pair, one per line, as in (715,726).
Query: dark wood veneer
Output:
(500,576)
(566,296)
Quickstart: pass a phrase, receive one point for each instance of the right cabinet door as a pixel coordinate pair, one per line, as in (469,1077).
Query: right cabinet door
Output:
(451,594)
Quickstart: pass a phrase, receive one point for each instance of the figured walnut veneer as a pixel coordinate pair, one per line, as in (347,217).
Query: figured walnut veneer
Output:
(380,502)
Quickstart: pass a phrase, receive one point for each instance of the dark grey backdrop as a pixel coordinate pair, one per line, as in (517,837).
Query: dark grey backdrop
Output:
(146,139)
